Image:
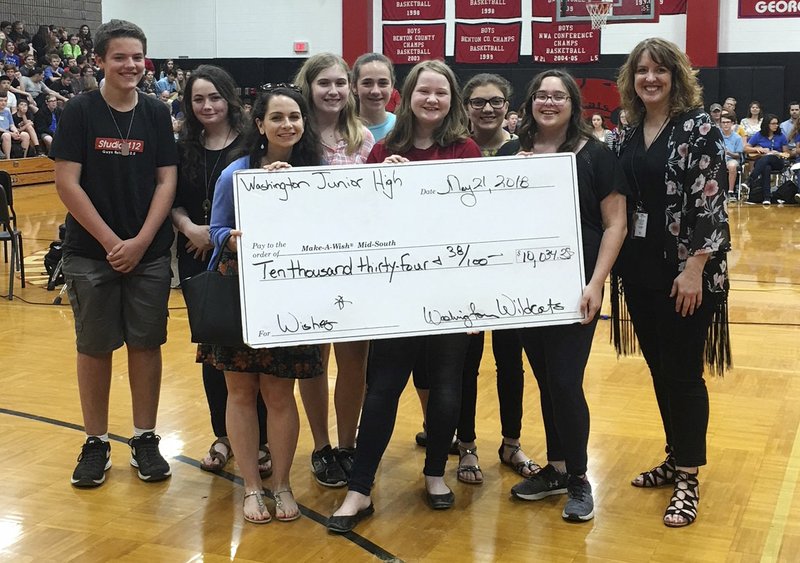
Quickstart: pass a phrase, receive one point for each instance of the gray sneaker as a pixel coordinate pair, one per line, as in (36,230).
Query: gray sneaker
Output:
(580,504)
(542,484)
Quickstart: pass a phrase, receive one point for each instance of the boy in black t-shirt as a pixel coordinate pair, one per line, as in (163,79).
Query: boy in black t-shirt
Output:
(115,168)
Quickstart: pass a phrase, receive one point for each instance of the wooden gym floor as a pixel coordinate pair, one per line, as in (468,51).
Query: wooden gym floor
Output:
(750,502)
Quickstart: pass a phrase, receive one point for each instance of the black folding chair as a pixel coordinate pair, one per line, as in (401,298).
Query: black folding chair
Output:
(11,235)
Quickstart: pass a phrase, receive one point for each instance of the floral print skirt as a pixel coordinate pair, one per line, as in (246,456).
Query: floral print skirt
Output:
(292,362)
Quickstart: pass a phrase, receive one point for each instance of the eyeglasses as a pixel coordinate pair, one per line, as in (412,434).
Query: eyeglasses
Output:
(718,110)
(558,98)
(479,103)
(269,86)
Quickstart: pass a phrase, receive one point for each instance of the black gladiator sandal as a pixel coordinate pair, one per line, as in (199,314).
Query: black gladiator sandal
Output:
(660,475)
(684,501)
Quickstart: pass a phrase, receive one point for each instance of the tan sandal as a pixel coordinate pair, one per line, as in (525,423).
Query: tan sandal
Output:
(279,506)
(262,508)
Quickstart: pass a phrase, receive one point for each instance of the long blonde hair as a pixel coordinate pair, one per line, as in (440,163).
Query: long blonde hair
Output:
(348,124)
(686,92)
(454,126)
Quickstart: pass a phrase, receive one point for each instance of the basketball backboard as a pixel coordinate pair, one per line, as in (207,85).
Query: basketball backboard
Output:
(624,11)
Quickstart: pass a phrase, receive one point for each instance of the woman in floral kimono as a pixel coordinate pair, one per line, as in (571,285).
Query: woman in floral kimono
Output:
(673,266)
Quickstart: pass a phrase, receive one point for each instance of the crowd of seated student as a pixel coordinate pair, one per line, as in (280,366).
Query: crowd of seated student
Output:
(39,74)
(752,144)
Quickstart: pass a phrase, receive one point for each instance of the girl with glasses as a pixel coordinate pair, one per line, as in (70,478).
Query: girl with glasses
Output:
(771,149)
(486,99)
(552,122)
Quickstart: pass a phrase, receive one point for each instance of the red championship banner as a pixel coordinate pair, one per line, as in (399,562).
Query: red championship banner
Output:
(410,44)
(400,10)
(544,8)
(477,9)
(488,43)
(671,7)
(565,43)
(769,8)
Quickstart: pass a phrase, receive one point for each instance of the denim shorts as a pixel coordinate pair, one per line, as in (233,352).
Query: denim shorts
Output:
(112,309)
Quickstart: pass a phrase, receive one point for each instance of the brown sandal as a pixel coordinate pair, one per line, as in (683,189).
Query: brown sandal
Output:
(217,456)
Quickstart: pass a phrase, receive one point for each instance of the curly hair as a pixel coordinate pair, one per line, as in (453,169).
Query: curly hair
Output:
(348,126)
(454,126)
(577,128)
(307,151)
(686,92)
(191,135)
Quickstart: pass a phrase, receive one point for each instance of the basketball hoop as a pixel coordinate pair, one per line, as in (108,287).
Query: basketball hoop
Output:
(599,10)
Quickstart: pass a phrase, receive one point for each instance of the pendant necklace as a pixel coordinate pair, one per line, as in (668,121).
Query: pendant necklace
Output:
(125,146)
(207,200)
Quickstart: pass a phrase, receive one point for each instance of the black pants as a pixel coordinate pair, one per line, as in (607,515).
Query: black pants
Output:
(507,350)
(558,356)
(673,347)
(762,169)
(214,379)
(389,366)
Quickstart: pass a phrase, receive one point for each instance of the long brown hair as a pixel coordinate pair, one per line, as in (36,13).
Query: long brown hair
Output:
(577,128)
(348,125)
(453,127)
(686,92)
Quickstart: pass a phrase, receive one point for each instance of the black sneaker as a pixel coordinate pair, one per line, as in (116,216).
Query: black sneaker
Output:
(326,468)
(346,458)
(146,457)
(94,461)
(580,504)
(544,483)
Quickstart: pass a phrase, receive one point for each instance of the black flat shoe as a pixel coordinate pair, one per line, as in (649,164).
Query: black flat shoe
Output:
(441,502)
(344,524)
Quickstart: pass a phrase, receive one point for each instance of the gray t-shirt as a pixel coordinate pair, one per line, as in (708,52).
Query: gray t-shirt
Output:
(35,89)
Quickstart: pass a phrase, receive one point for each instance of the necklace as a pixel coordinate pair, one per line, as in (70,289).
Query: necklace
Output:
(207,200)
(125,146)
(652,140)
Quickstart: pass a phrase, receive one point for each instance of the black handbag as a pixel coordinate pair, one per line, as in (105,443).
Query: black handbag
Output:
(212,302)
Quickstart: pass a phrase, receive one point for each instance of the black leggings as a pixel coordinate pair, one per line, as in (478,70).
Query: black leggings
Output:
(214,379)
(507,350)
(558,356)
(673,347)
(762,169)
(390,363)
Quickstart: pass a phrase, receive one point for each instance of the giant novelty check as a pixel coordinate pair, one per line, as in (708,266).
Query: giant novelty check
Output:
(345,253)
